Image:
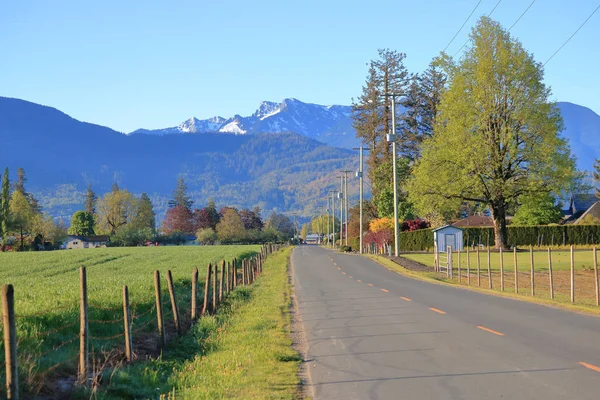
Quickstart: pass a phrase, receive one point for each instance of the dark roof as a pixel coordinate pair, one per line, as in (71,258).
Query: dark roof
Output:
(475,221)
(98,238)
(581,202)
(593,211)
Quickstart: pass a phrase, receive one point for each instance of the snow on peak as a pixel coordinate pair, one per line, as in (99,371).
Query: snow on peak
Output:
(267,109)
(233,127)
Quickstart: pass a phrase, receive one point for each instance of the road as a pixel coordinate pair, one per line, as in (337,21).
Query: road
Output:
(374,334)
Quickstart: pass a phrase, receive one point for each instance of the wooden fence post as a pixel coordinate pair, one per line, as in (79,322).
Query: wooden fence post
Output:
(489,265)
(459,271)
(194,304)
(596,276)
(572,275)
(243,271)
(468,267)
(516,270)
(478,268)
(127,323)
(222,281)
(159,311)
(173,302)
(228,278)
(206,305)
(550,273)
(532,271)
(10,342)
(83,328)
(234,273)
(215,297)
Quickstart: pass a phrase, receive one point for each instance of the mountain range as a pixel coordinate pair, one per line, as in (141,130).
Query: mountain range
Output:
(285,156)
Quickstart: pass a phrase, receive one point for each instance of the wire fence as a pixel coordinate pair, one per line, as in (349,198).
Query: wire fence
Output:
(81,348)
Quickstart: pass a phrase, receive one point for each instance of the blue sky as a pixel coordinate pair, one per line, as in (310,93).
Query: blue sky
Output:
(153,64)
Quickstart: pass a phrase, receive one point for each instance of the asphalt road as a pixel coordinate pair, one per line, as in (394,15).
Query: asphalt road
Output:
(375,334)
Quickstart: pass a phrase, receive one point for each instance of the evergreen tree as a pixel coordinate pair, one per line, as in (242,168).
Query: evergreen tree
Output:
(4,207)
(144,215)
(90,200)
(180,197)
(115,188)
(596,174)
(21,180)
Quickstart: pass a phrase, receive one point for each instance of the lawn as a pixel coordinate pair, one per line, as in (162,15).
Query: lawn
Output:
(47,294)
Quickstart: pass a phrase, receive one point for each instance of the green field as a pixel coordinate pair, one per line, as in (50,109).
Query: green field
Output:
(560,260)
(47,293)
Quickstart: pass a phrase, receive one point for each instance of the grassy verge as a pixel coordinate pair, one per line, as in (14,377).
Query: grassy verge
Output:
(244,351)
(561,300)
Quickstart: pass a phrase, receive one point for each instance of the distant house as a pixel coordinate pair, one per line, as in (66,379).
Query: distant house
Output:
(475,221)
(85,242)
(578,205)
(593,211)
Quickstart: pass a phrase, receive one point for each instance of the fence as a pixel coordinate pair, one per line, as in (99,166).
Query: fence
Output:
(134,322)
(539,279)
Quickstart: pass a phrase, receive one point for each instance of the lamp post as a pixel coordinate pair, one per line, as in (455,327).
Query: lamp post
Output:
(328,227)
(359,174)
(341,197)
(391,138)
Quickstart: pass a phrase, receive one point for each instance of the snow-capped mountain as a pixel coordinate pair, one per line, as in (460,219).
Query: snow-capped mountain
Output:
(328,124)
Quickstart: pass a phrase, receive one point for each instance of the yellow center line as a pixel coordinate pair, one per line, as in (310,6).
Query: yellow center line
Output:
(370,284)
(343,273)
(350,276)
(339,268)
(405,298)
(590,366)
(384,290)
(359,281)
(490,330)
(437,311)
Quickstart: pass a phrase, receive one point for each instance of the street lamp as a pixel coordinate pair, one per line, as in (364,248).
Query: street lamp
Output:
(359,175)
(391,138)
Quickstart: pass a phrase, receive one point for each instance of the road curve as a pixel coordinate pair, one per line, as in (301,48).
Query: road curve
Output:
(375,334)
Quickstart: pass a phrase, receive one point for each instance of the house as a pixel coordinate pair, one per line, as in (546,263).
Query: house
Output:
(475,221)
(312,239)
(448,235)
(579,204)
(85,242)
(592,212)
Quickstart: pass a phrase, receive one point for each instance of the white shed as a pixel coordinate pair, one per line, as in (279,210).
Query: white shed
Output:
(448,236)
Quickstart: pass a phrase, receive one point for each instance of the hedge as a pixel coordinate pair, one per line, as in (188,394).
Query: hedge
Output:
(542,235)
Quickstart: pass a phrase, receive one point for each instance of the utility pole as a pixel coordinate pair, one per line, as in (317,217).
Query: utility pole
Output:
(359,174)
(391,138)
(333,192)
(341,197)
(346,172)
(328,227)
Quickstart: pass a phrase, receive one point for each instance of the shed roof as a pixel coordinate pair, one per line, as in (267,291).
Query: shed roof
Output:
(447,226)
(99,238)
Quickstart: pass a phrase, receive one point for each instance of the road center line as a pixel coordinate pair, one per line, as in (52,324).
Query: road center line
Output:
(359,281)
(384,290)
(405,298)
(343,273)
(350,276)
(370,284)
(437,311)
(490,330)
(590,366)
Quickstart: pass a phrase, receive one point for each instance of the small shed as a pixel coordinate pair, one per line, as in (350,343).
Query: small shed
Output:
(448,236)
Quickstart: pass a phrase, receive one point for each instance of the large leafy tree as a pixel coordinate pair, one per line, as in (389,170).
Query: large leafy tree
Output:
(115,209)
(178,219)
(4,207)
(231,227)
(21,216)
(82,224)
(537,210)
(496,137)
(596,175)
(282,224)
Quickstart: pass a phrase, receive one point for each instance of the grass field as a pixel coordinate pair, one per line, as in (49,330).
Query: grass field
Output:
(244,351)
(584,276)
(47,293)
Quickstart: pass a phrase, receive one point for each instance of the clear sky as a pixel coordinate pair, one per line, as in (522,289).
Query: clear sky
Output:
(133,64)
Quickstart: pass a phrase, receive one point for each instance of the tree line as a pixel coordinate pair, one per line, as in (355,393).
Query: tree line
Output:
(475,133)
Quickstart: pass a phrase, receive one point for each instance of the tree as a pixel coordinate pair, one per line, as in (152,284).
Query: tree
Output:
(180,197)
(21,215)
(537,210)
(144,214)
(596,175)
(90,201)
(372,114)
(231,228)
(21,180)
(206,236)
(4,208)
(281,224)
(304,231)
(251,219)
(82,224)
(178,219)
(115,209)
(496,137)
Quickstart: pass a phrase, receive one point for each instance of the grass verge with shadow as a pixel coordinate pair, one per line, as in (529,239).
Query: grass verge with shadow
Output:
(244,351)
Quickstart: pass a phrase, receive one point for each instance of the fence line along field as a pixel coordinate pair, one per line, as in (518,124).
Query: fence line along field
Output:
(47,300)
(573,277)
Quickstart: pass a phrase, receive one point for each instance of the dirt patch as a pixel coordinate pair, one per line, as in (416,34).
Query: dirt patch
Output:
(299,342)
(410,264)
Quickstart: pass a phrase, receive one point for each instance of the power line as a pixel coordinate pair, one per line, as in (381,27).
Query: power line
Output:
(462,26)
(521,16)
(494,9)
(571,37)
